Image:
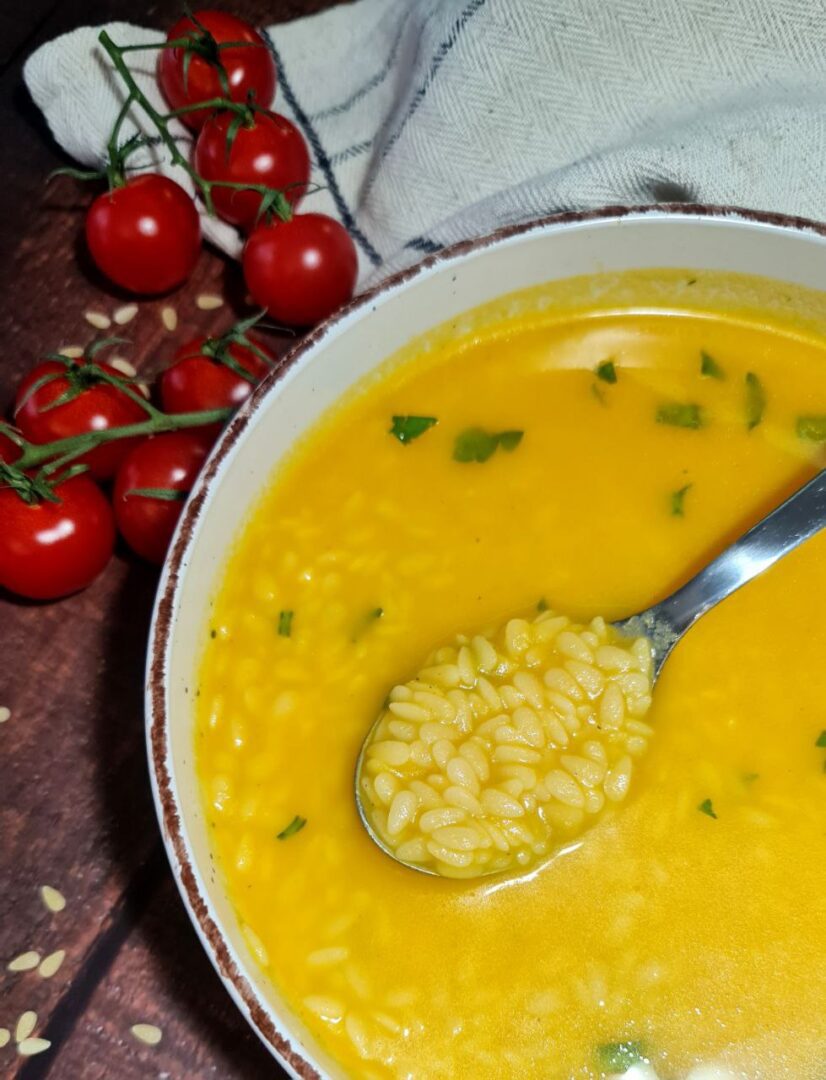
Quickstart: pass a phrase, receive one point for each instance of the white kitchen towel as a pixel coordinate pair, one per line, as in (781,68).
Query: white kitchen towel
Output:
(430,121)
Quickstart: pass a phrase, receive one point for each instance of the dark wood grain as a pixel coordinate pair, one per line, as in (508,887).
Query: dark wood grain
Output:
(75,806)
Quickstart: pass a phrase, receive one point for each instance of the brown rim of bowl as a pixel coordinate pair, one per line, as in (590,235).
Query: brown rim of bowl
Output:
(157,720)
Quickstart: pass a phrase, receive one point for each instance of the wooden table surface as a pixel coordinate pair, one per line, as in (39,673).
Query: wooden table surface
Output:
(75,805)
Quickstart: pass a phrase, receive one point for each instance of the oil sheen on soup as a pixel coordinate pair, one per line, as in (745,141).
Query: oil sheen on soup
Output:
(685,934)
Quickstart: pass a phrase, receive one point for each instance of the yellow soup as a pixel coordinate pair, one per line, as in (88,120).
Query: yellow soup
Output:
(687,927)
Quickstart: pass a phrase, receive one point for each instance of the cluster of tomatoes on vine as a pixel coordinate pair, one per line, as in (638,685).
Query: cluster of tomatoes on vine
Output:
(90,451)
(250,165)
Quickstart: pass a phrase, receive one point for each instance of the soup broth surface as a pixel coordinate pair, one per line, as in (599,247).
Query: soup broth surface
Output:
(687,927)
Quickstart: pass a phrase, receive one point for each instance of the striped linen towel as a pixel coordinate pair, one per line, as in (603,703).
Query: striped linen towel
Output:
(431,121)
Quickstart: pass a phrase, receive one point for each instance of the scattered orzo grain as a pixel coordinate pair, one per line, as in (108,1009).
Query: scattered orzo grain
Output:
(169,318)
(52,898)
(358,1034)
(256,946)
(97,319)
(25,1025)
(328,1008)
(5,713)
(147,1033)
(26,961)
(209,301)
(5,1037)
(72,352)
(121,364)
(504,747)
(30,1047)
(51,964)
(334,954)
(125,314)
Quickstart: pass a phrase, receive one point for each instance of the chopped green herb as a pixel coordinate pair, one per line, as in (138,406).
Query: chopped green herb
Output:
(618,1057)
(476,444)
(542,605)
(812,428)
(509,440)
(821,740)
(679,414)
(710,367)
(606,371)
(370,617)
(296,825)
(750,777)
(705,807)
(407,428)
(213,633)
(678,500)
(755,400)
(285,623)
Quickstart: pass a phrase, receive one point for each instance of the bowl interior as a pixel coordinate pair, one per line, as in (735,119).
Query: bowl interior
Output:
(326,367)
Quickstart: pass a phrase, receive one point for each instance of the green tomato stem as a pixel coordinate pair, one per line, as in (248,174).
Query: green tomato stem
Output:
(126,387)
(183,43)
(212,103)
(176,43)
(115,54)
(115,170)
(54,455)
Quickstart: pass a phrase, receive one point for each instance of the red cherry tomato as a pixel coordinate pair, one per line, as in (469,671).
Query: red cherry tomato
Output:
(270,151)
(300,270)
(47,549)
(196,381)
(250,68)
(96,406)
(166,462)
(146,235)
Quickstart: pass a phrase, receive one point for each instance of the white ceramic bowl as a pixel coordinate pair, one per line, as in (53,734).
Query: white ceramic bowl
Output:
(316,373)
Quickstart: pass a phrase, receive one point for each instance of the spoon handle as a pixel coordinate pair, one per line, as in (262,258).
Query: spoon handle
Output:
(799,517)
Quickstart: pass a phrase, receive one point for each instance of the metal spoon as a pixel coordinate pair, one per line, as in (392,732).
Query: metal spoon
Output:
(800,517)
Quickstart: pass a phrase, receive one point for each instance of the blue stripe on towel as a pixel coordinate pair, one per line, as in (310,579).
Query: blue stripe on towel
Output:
(373,82)
(351,152)
(435,63)
(323,161)
(421,243)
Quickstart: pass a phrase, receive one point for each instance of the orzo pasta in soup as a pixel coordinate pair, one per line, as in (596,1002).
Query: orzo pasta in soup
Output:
(506,746)
(582,449)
